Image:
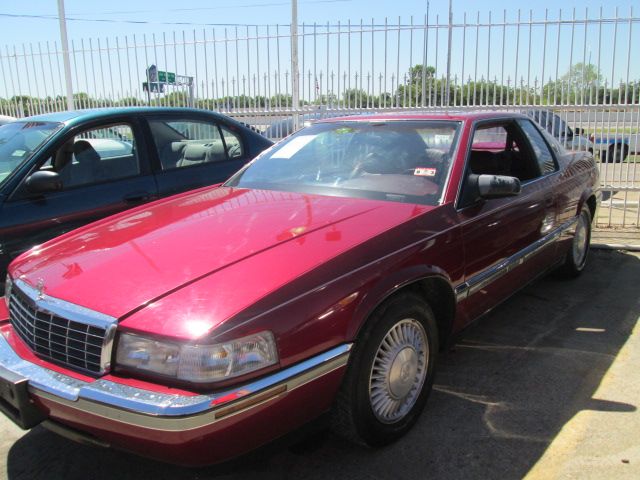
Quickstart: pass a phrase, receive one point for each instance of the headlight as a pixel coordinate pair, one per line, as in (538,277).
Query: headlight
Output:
(7,289)
(198,363)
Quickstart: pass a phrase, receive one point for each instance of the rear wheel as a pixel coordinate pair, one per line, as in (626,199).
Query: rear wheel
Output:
(390,373)
(579,251)
(616,153)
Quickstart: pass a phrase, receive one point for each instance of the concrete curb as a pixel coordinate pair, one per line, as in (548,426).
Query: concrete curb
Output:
(616,246)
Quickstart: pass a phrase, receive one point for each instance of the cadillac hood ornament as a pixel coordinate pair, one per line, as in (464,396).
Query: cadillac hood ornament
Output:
(40,288)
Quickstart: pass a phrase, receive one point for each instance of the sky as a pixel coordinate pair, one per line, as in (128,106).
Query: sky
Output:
(24,24)
(198,12)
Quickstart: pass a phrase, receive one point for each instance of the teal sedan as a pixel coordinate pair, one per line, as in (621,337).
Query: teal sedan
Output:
(60,171)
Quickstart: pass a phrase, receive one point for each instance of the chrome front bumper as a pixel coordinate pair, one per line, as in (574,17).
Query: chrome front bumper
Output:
(171,412)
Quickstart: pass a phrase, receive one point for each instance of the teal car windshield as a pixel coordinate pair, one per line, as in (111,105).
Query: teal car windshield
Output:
(402,161)
(18,140)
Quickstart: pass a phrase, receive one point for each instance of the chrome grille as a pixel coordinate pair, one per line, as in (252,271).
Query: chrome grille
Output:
(75,344)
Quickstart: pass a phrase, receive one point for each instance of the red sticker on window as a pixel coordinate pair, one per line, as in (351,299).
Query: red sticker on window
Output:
(425,172)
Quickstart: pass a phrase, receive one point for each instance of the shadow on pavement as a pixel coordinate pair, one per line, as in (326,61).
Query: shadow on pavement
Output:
(500,397)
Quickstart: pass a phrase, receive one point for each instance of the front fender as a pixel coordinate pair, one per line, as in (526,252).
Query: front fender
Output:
(388,286)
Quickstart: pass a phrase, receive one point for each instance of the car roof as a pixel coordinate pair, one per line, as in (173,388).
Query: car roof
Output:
(74,116)
(454,116)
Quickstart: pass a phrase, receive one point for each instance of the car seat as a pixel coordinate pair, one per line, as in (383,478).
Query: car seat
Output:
(87,168)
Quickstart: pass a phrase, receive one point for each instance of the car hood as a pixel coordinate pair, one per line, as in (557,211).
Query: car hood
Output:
(127,261)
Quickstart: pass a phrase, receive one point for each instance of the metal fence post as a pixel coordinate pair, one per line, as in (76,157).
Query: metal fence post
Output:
(448,80)
(295,80)
(65,54)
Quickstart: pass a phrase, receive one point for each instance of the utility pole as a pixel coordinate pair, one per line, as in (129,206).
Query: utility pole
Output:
(65,54)
(295,81)
(448,81)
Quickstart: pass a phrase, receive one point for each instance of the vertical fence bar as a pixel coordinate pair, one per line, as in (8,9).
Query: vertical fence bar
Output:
(449,47)
(515,76)
(424,57)
(13,86)
(78,104)
(477,49)
(108,51)
(44,81)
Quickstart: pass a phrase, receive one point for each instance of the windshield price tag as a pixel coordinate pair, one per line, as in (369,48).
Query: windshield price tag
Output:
(425,172)
(292,147)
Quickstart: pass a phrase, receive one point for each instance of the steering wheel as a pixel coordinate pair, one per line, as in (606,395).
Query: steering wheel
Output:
(372,159)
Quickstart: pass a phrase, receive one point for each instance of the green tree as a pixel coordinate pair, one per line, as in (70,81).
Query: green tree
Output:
(173,99)
(82,100)
(410,92)
(416,74)
(580,83)
(354,97)
(330,100)
(281,100)
(129,101)
(581,76)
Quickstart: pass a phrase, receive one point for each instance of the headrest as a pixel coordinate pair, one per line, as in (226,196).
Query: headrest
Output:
(63,156)
(194,152)
(177,147)
(67,147)
(83,150)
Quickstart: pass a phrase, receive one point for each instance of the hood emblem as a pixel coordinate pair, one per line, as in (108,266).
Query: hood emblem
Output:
(40,288)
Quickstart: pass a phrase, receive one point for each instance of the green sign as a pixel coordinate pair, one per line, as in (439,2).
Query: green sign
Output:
(166,77)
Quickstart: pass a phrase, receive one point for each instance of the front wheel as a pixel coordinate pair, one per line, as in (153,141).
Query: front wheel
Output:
(579,251)
(390,373)
(616,153)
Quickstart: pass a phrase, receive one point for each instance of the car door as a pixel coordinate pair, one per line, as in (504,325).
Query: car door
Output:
(502,237)
(103,170)
(192,152)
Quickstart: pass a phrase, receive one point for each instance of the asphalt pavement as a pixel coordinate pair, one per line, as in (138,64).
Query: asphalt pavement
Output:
(544,387)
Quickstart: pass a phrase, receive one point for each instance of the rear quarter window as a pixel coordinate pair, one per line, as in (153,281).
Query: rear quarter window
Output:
(542,151)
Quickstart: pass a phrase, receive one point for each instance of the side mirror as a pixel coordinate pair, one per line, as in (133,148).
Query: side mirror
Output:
(578,131)
(43,181)
(497,186)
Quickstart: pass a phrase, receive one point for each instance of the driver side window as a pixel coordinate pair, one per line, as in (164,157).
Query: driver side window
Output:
(499,149)
(94,156)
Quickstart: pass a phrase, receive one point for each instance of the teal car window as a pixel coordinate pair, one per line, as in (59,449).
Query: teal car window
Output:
(19,140)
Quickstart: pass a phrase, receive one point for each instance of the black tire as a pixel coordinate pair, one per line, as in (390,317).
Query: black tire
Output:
(615,154)
(623,152)
(578,252)
(354,415)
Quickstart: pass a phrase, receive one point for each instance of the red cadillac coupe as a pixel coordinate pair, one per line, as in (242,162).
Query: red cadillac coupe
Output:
(323,277)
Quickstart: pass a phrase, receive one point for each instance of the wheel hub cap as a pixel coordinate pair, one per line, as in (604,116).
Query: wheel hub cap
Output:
(403,371)
(580,241)
(399,371)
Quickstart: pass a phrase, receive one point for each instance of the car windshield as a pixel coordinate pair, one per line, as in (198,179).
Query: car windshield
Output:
(401,161)
(18,140)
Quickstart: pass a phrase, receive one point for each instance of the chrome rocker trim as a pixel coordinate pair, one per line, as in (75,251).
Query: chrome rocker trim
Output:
(481,280)
(168,412)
